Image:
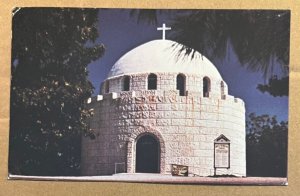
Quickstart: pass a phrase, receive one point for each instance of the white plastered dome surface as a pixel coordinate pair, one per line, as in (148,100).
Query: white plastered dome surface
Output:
(160,56)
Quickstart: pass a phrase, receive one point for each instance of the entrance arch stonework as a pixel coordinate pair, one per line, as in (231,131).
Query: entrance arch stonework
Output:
(131,147)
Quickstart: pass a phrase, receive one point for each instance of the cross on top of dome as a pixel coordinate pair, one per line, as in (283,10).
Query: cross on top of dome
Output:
(163,29)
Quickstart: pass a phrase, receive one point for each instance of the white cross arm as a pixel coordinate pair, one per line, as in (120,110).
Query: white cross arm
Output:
(163,29)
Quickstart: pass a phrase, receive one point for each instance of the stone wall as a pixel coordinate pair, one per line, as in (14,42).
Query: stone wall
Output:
(184,126)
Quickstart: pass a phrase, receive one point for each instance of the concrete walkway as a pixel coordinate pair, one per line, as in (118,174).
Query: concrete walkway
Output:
(161,178)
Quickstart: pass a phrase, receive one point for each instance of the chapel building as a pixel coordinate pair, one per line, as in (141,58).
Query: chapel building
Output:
(155,110)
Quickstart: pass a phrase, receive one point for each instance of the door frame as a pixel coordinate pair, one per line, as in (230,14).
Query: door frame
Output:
(131,148)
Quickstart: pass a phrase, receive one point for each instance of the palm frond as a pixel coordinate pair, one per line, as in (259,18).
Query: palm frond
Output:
(148,16)
(259,38)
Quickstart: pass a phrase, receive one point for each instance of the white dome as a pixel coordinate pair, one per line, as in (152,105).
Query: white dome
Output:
(159,56)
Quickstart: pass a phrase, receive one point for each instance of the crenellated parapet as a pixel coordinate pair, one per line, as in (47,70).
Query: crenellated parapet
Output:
(171,95)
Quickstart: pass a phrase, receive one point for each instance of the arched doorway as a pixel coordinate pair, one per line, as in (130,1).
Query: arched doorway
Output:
(147,155)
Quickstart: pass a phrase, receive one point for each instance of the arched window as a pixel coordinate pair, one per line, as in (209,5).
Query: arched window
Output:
(206,86)
(152,82)
(126,83)
(180,84)
(222,89)
(106,86)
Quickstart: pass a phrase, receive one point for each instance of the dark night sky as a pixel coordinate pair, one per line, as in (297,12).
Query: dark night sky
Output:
(121,33)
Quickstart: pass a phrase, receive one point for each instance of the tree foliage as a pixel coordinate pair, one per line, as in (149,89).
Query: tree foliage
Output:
(259,38)
(266,146)
(145,15)
(51,49)
(276,86)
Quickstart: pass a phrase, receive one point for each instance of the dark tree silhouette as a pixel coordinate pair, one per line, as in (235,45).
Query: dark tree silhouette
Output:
(276,87)
(51,49)
(266,146)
